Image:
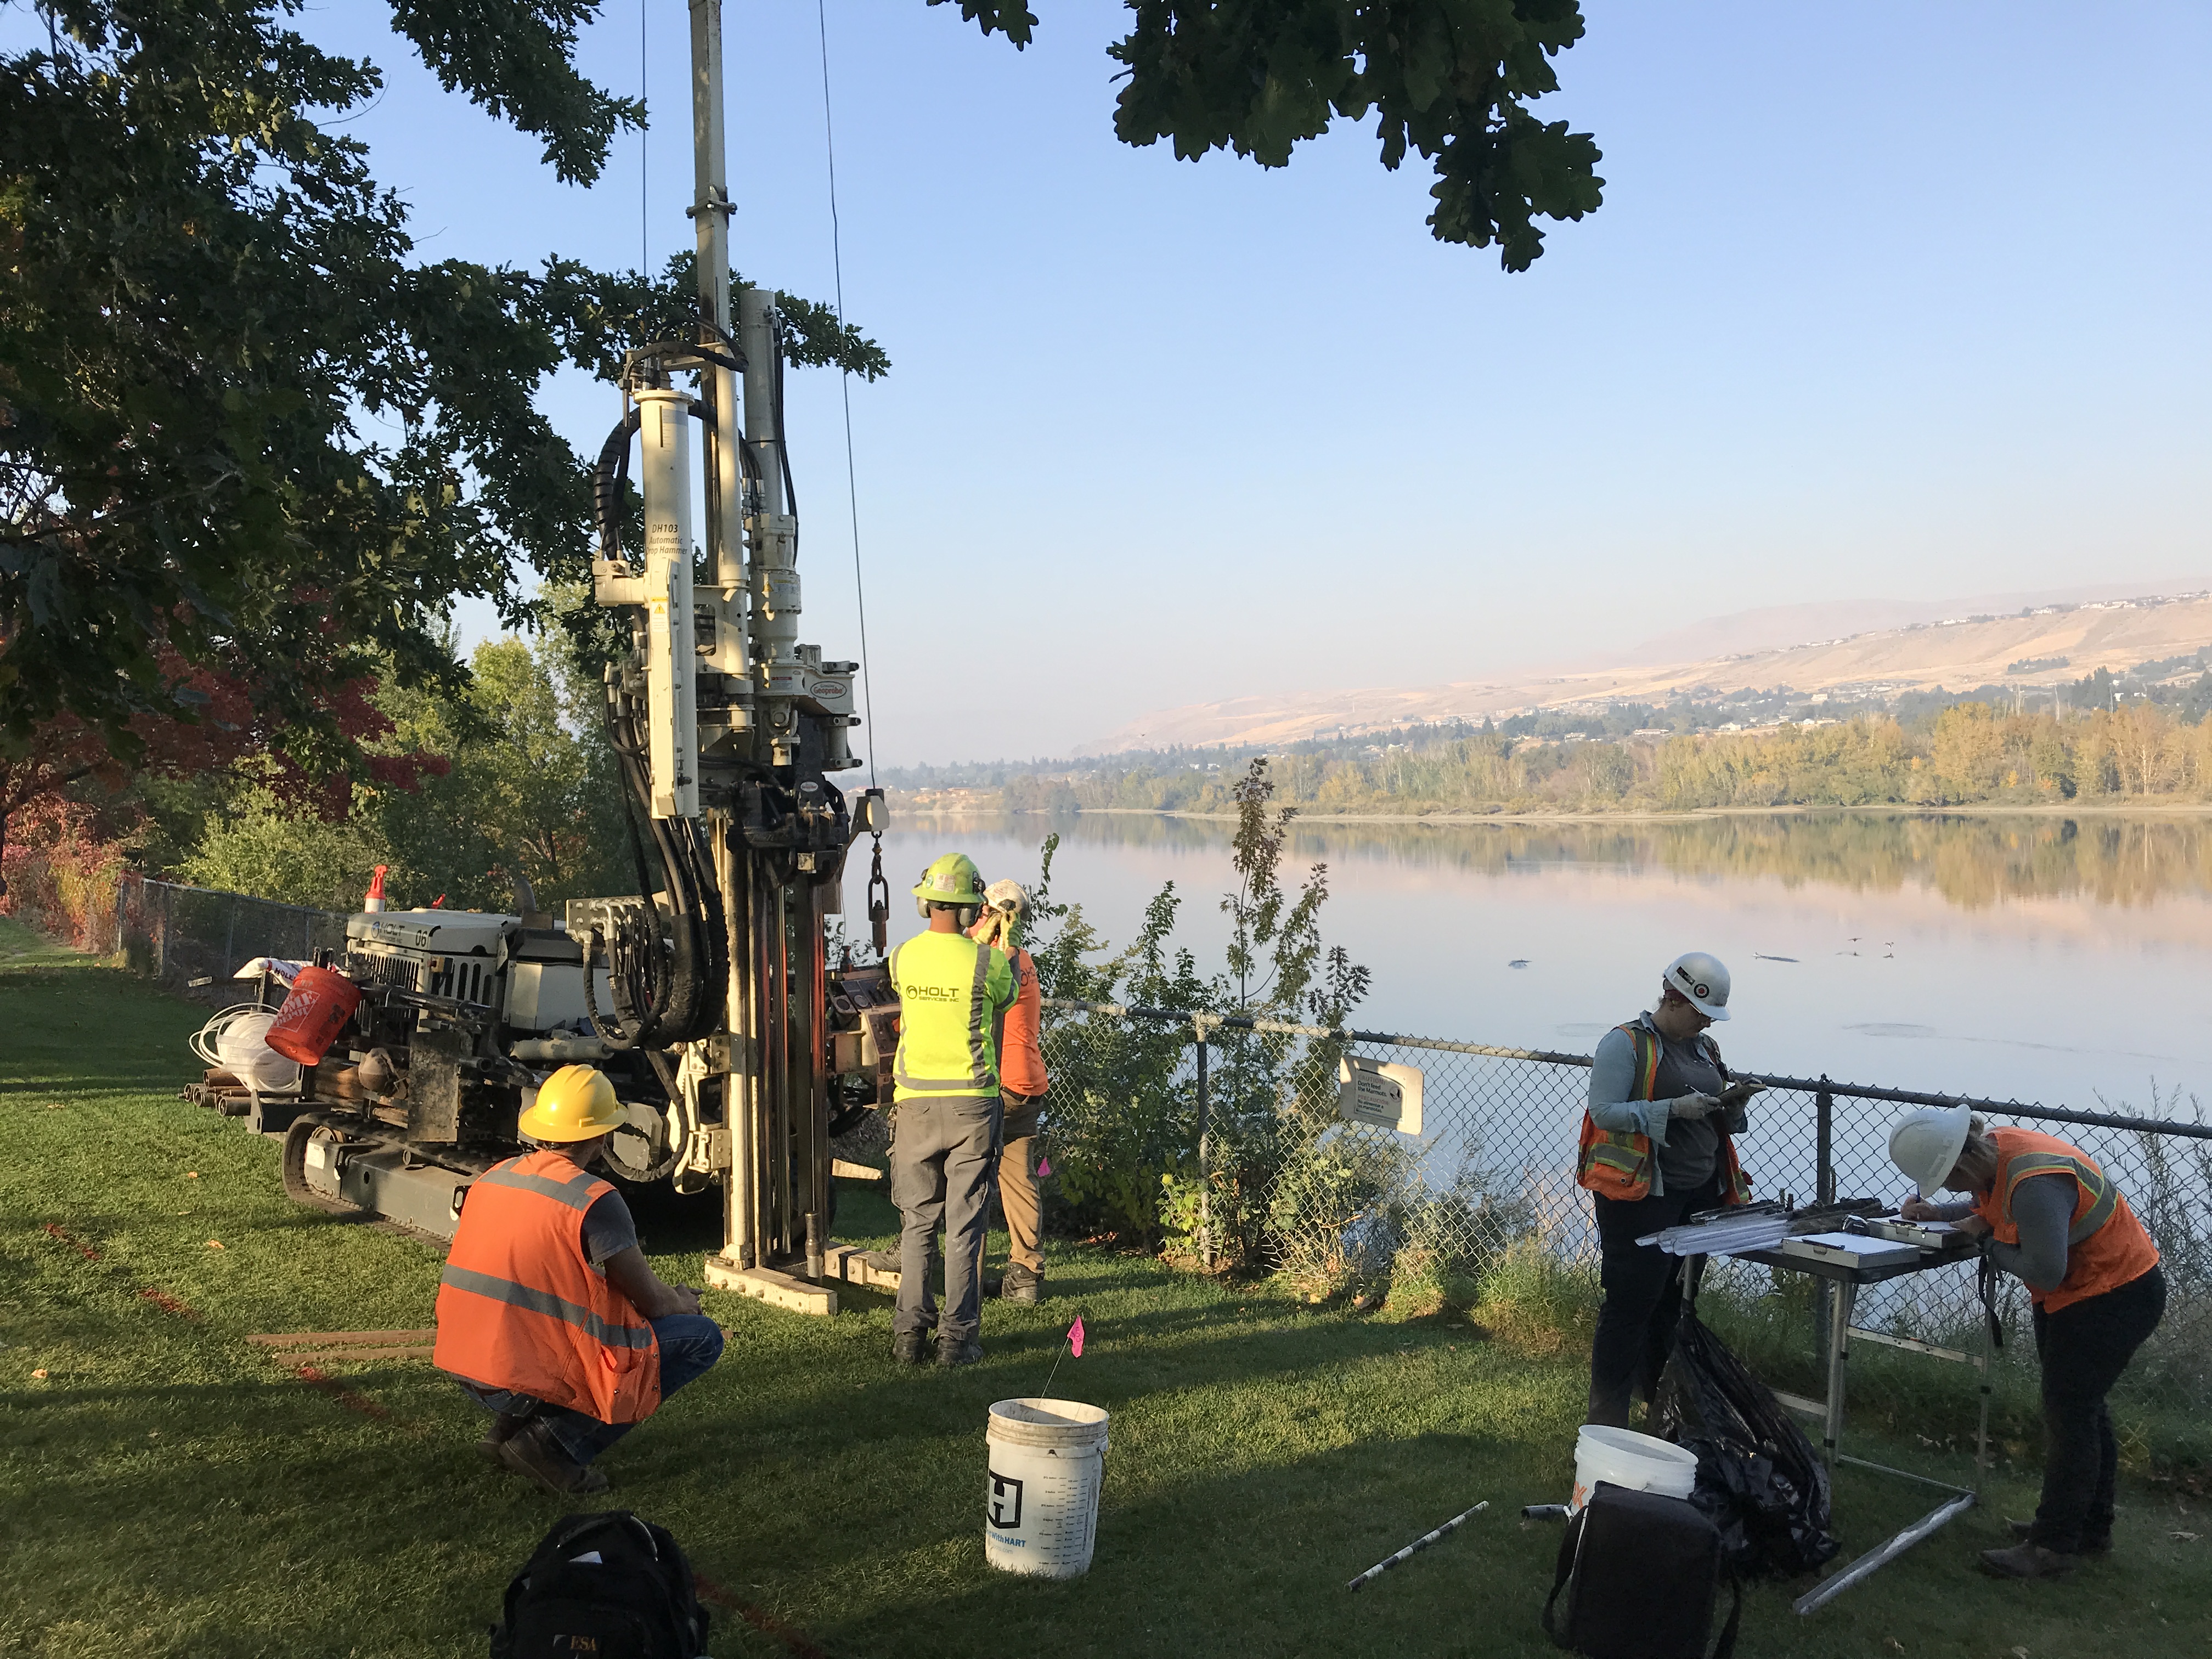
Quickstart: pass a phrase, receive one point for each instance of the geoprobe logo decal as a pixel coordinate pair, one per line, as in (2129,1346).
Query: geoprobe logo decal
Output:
(1005,1502)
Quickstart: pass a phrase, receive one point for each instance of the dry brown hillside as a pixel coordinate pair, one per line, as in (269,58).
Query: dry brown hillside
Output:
(1963,653)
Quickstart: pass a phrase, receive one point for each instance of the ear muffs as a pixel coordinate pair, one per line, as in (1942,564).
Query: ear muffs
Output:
(970,915)
(921,908)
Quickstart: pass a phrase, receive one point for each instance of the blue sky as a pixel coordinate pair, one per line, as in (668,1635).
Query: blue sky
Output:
(1885,299)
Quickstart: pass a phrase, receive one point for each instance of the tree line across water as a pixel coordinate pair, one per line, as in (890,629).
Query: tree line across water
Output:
(1966,754)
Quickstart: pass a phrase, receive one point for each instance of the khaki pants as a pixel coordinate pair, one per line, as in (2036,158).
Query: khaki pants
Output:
(1018,1197)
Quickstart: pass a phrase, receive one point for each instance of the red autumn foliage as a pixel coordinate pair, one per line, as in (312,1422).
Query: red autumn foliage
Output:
(228,728)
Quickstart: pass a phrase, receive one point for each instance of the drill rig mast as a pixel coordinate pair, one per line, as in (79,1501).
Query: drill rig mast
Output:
(708,998)
(730,732)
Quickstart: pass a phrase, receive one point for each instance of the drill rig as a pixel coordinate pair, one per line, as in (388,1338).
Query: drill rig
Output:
(708,996)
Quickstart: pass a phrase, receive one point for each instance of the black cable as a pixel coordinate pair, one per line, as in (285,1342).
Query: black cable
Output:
(610,484)
(783,445)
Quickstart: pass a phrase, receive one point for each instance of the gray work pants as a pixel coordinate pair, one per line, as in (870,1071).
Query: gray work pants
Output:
(944,1153)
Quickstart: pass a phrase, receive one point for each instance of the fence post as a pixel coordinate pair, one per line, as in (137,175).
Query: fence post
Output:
(161,940)
(229,941)
(1823,1188)
(1205,1158)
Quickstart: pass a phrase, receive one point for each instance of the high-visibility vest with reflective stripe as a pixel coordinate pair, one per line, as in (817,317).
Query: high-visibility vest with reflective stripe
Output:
(1021,1055)
(950,988)
(2105,1246)
(521,1307)
(1617,1162)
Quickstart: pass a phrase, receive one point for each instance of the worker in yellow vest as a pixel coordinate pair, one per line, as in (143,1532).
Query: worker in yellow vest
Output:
(953,996)
(2053,1218)
(1657,1145)
(548,1312)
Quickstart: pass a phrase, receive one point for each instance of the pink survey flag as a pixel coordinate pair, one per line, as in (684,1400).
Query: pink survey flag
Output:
(1075,1337)
(1044,1165)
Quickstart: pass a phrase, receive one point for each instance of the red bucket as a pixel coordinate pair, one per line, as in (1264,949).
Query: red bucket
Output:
(313,1016)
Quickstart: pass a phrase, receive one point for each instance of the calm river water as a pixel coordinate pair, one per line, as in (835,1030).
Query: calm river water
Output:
(2032,957)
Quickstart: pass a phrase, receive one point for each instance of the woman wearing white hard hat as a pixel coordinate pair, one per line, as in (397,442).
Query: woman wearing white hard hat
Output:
(2053,1218)
(1656,1146)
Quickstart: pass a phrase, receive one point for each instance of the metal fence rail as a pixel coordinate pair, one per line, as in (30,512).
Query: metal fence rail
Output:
(1245,1111)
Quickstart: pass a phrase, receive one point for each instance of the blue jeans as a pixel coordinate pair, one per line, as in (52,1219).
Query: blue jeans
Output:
(689,1345)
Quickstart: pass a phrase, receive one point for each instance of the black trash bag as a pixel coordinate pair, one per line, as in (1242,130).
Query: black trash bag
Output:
(1759,1477)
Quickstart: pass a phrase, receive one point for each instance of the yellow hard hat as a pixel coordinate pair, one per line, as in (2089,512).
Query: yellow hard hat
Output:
(575,1103)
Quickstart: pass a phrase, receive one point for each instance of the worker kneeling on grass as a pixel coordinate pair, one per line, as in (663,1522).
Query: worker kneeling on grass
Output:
(2052,1218)
(548,1313)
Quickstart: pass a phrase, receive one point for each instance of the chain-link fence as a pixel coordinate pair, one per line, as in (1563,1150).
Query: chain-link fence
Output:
(1234,1125)
(196,936)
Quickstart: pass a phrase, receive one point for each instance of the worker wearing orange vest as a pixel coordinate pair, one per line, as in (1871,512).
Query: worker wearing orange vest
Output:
(1023,1084)
(1657,1145)
(548,1313)
(2048,1214)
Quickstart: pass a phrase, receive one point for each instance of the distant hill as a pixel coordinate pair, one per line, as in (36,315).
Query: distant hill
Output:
(1959,649)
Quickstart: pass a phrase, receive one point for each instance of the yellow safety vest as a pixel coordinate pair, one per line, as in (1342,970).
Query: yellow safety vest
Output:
(949,987)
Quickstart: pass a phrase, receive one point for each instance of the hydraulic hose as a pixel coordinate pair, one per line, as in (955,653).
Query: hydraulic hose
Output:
(610,484)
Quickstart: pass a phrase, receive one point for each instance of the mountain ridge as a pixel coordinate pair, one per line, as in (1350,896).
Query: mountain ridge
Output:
(2119,630)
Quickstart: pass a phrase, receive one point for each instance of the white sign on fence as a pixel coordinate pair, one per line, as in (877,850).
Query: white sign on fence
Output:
(1387,1096)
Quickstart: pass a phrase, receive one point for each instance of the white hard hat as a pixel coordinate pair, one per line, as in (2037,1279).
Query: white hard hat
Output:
(1703,979)
(1008,895)
(1925,1144)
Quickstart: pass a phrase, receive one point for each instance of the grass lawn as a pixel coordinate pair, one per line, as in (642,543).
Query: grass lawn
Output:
(167,1489)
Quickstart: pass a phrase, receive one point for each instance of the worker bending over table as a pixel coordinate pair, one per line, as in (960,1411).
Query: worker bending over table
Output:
(2050,1217)
(1656,1147)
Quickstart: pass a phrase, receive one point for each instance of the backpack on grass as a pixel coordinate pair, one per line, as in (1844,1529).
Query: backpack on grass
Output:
(1641,1572)
(609,1586)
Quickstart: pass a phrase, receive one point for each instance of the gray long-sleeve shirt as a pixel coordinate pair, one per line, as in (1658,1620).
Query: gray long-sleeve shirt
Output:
(1684,1150)
(2043,1209)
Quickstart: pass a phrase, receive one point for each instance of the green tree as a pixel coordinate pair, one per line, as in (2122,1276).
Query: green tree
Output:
(1452,79)
(240,419)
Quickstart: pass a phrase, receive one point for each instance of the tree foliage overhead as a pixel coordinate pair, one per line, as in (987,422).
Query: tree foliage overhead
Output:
(1452,79)
(242,427)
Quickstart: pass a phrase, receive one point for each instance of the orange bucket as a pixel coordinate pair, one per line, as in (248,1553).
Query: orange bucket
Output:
(318,1009)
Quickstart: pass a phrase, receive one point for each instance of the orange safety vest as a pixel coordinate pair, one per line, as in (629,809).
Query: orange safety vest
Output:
(1617,1162)
(2105,1246)
(1021,1056)
(521,1307)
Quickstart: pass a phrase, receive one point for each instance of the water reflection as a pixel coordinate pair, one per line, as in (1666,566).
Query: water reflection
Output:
(1972,862)
(2017,956)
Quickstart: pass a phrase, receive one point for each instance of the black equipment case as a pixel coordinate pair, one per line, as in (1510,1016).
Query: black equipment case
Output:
(1641,1573)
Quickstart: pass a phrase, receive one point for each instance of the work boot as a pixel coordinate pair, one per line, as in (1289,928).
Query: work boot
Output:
(1021,1284)
(910,1347)
(953,1351)
(2026,1561)
(503,1428)
(533,1451)
(2025,1530)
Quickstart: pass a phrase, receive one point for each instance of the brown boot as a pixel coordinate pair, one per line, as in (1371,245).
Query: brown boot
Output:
(2026,1561)
(503,1428)
(533,1452)
(2025,1530)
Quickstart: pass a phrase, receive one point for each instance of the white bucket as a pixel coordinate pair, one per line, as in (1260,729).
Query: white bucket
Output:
(1047,1459)
(1637,1461)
